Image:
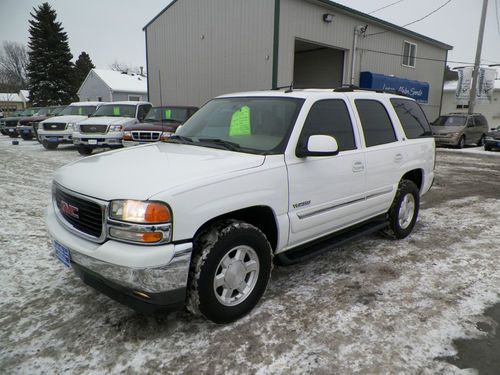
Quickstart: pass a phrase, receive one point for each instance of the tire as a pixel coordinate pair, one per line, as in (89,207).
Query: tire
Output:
(461,142)
(487,148)
(404,210)
(82,150)
(229,256)
(27,137)
(13,135)
(49,145)
(481,140)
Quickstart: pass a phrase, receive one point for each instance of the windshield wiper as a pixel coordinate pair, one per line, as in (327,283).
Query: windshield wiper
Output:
(180,139)
(232,146)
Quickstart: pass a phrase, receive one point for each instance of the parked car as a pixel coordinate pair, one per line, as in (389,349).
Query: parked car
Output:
(11,122)
(159,124)
(250,177)
(492,140)
(15,116)
(105,127)
(460,129)
(53,131)
(26,126)
(54,111)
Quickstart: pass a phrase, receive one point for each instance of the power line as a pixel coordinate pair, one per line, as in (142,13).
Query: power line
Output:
(387,6)
(420,19)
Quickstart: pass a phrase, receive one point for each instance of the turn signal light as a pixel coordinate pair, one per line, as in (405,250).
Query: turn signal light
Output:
(157,213)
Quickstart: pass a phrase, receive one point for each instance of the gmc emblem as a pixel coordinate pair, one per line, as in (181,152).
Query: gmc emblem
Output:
(69,210)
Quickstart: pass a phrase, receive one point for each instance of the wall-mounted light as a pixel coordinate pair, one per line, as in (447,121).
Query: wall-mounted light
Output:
(328,17)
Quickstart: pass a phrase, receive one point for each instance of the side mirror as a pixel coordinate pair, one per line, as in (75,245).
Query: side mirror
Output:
(317,145)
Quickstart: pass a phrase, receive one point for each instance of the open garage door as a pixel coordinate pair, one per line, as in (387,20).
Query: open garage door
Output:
(317,66)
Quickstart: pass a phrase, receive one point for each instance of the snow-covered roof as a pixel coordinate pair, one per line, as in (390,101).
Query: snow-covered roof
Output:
(452,85)
(10,97)
(125,82)
(25,94)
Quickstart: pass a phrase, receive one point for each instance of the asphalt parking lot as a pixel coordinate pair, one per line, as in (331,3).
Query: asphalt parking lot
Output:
(374,306)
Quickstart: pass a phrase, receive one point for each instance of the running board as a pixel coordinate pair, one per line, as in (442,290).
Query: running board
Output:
(331,242)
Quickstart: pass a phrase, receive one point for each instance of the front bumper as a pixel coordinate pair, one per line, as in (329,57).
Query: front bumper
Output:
(59,136)
(446,140)
(98,140)
(24,129)
(493,143)
(145,278)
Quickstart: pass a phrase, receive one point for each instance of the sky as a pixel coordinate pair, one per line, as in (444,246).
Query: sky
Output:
(111,30)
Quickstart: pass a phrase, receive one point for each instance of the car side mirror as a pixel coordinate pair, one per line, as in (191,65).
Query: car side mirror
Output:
(317,145)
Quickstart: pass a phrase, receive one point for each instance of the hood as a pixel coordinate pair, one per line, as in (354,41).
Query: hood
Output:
(108,121)
(446,129)
(143,171)
(65,119)
(27,120)
(155,126)
(19,118)
(494,134)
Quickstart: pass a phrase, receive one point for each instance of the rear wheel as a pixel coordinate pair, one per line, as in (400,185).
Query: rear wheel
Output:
(49,145)
(481,140)
(229,272)
(83,150)
(404,210)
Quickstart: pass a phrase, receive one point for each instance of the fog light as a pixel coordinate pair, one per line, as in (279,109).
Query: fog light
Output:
(148,237)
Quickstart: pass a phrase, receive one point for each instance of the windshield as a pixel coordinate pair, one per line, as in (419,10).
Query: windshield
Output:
(30,111)
(43,111)
(78,110)
(158,114)
(116,110)
(252,124)
(56,111)
(450,121)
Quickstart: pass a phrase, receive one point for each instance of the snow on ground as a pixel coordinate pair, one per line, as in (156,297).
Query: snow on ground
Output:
(375,306)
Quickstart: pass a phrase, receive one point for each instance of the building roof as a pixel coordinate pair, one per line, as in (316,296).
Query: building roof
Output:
(10,97)
(119,82)
(352,12)
(25,94)
(452,85)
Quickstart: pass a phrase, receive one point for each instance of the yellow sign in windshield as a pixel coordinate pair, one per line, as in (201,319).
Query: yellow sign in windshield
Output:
(240,122)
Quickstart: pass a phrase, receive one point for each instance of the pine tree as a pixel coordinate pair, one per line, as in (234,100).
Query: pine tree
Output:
(82,68)
(50,70)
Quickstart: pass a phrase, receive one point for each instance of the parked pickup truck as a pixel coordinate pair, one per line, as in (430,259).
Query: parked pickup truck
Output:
(27,128)
(251,177)
(159,124)
(105,127)
(8,125)
(53,131)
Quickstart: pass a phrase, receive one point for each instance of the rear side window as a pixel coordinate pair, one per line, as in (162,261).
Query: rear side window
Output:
(481,121)
(412,118)
(330,117)
(377,126)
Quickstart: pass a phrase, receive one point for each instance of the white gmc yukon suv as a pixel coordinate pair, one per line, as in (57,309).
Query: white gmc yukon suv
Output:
(250,179)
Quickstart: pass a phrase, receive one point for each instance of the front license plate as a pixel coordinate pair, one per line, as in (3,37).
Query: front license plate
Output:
(52,139)
(62,253)
(11,130)
(92,141)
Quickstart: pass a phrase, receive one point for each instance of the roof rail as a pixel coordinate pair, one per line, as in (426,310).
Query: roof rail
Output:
(288,88)
(346,88)
(351,88)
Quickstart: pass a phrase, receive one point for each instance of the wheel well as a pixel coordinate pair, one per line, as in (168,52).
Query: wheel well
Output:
(415,176)
(261,217)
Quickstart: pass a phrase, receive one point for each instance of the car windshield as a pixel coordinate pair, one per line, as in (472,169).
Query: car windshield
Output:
(78,110)
(248,124)
(56,111)
(43,111)
(115,110)
(450,121)
(166,114)
(30,111)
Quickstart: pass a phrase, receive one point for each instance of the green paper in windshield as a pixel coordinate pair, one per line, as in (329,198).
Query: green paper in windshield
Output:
(116,111)
(240,122)
(168,114)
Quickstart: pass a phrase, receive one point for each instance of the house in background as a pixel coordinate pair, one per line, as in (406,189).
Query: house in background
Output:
(490,110)
(111,86)
(10,102)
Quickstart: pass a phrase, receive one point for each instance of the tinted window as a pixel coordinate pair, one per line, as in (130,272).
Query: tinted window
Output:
(450,121)
(481,121)
(330,117)
(412,118)
(376,123)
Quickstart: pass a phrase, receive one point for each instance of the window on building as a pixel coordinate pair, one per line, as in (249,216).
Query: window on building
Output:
(376,124)
(461,106)
(134,98)
(412,118)
(330,117)
(99,98)
(409,54)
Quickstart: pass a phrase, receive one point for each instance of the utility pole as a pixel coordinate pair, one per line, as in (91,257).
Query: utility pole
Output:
(477,62)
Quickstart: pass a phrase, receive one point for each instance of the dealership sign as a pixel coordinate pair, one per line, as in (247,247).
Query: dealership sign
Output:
(414,89)
(484,88)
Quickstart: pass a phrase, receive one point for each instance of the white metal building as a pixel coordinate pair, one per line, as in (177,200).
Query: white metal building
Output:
(111,86)
(197,49)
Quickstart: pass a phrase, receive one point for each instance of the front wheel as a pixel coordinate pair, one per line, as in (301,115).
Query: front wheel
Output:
(49,145)
(461,142)
(487,148)
(27,137)
(82,150)
(230,271)
(404,210)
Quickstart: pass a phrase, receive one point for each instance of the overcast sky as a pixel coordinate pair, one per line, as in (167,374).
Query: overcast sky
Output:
(111,30)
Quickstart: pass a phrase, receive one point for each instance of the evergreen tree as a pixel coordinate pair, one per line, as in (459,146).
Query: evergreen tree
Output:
(82,68)
(50,70)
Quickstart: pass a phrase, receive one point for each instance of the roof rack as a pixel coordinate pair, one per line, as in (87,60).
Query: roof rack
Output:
(288,88)
(351,88)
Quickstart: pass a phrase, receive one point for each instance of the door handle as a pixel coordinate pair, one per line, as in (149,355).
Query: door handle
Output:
(358,166)
(398,158)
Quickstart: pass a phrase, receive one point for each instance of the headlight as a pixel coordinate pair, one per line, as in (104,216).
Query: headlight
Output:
(140,221)
(71,126)
(165,135)
(115,128)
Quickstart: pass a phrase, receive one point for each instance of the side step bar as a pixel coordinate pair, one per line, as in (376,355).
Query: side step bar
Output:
(330,242)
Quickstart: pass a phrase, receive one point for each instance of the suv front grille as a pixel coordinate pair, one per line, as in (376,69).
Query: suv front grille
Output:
(146,136)
(11,123)
(82,214)
(54,126)
(100,129)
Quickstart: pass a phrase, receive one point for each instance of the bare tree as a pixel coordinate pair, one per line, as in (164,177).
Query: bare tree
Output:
(13,63)
(119,67)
